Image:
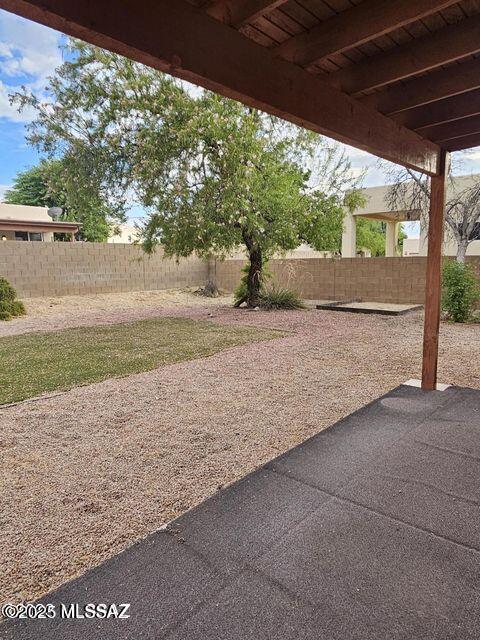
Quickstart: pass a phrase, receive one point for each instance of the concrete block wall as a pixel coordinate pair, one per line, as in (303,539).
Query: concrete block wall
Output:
(63,268)
(395,280)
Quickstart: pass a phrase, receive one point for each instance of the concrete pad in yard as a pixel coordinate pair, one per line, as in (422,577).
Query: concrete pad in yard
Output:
(379,308)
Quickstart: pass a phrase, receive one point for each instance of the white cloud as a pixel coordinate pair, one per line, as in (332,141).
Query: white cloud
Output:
(29,54)
(3,189)
(470,156)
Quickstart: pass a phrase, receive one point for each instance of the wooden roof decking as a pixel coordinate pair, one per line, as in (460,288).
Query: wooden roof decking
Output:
(398,78)
(394,56)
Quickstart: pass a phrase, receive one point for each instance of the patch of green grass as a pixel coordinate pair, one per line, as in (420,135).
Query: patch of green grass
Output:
(36,363)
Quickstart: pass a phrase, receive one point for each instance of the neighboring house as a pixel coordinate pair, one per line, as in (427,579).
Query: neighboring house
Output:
(303,251)
(127,234)
(19,222)
(376,208)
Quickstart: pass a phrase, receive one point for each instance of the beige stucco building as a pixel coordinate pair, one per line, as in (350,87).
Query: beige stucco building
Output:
(126,234)
(411,247)
(377,208)
(23,223)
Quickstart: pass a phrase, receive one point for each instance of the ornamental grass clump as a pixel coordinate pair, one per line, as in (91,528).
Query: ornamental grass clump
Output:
(10,307)
(270,297)
(281,298)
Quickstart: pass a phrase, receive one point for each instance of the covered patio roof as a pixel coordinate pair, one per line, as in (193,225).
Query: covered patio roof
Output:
(398,79)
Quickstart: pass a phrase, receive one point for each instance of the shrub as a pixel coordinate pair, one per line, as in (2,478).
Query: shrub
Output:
(9,305)
(281,298)
(460,291)
(240,291)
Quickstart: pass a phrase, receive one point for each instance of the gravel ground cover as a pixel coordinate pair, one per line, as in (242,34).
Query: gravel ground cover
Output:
(87,472)
(51,314)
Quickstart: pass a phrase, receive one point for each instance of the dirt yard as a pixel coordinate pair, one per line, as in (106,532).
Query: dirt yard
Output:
(87,472)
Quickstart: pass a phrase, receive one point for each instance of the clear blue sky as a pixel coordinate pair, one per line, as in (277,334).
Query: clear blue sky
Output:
(29,53)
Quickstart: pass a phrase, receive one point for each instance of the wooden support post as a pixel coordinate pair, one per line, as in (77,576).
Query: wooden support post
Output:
(434,275)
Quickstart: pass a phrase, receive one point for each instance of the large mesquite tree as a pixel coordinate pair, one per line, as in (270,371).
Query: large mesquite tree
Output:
(213,174)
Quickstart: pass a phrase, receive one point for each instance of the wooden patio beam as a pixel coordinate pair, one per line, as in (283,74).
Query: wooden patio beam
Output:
(237,12)
(437,85)
(441,47)
(455,108)
(458,128)
(465,142)
(434,275)
(352,27)
(180,39)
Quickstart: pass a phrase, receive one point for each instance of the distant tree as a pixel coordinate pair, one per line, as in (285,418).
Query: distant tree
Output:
(50,184)
(32,187)
(214,174)
(410,191)
(401,237)
(371,235)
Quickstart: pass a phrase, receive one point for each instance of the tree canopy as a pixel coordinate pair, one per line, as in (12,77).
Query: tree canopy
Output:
(212,173)
(32,187)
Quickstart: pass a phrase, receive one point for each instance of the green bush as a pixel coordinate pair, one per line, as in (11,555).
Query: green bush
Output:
(240,290)
(460,291)
(9,305)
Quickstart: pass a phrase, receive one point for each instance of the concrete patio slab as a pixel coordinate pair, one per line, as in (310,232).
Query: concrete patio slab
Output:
(380,308)
(415,382)
(367,531)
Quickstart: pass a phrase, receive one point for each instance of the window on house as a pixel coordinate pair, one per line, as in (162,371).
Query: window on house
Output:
(33,236)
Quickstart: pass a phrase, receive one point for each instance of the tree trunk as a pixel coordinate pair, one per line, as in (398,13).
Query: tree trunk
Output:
(461,250)
(254,278)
